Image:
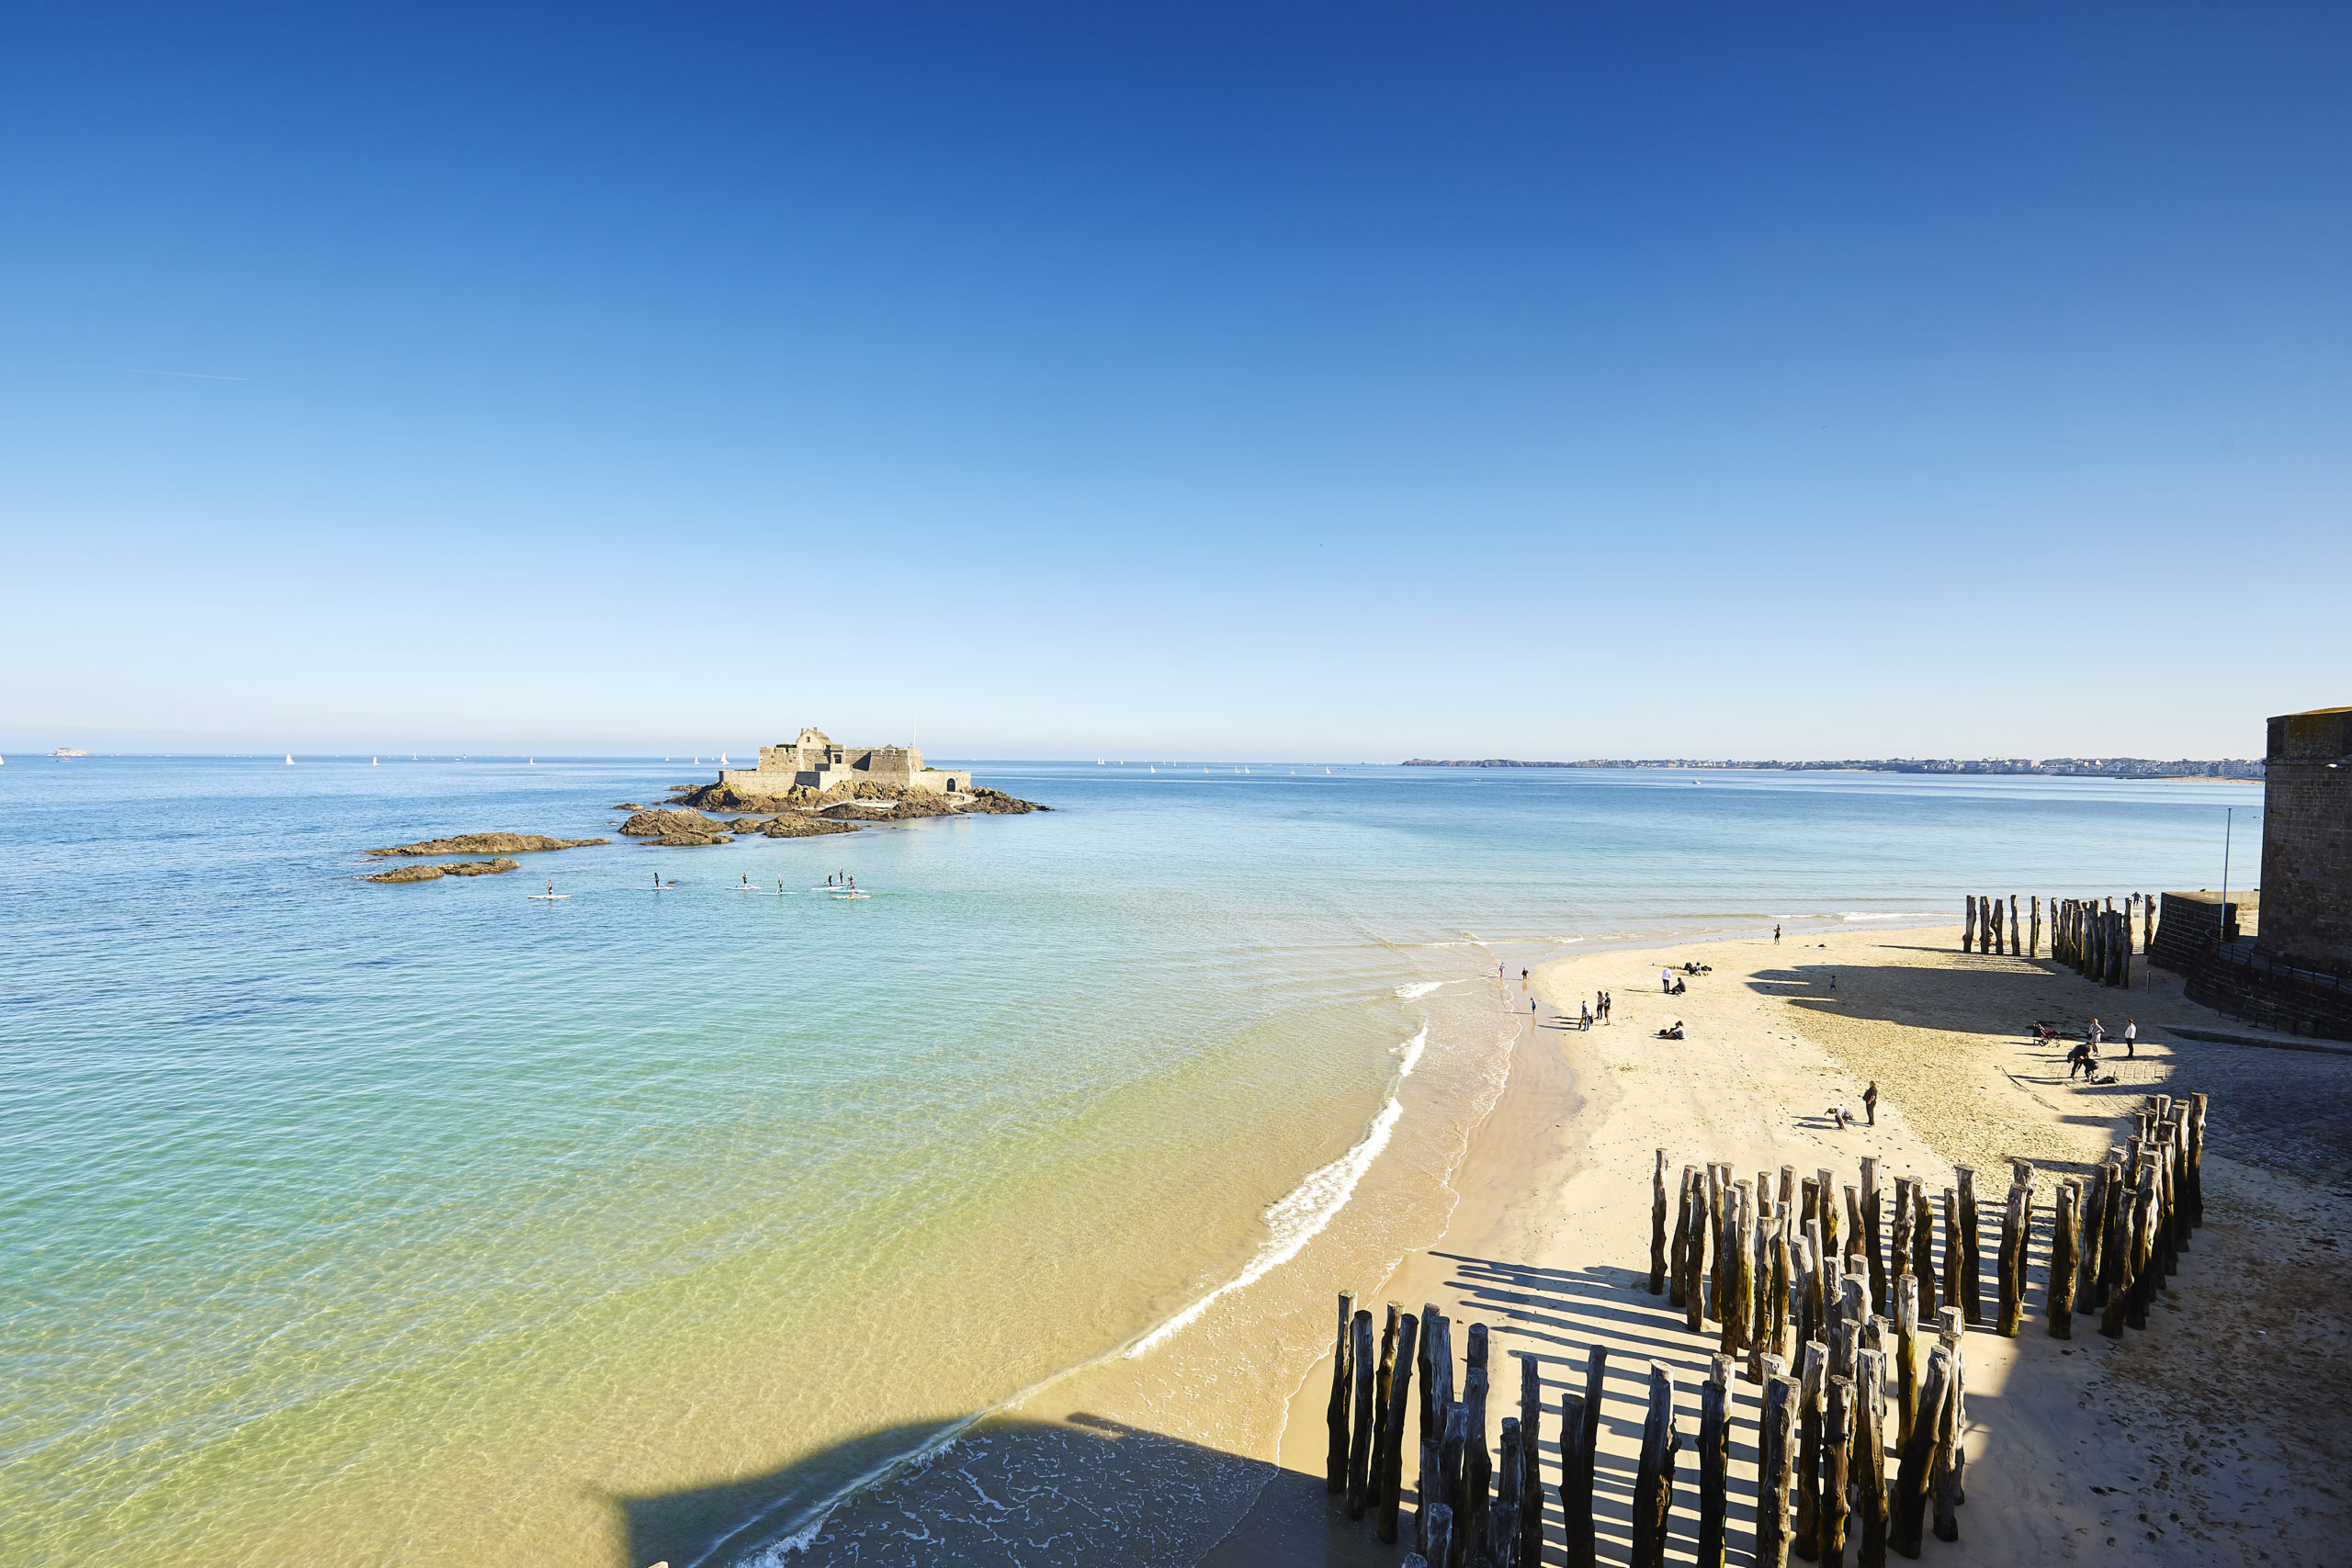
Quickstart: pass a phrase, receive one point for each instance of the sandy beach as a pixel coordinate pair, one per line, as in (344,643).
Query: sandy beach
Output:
(2214,1436)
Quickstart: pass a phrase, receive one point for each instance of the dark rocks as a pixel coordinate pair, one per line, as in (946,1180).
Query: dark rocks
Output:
(675,830)
(489,844)
(498,867)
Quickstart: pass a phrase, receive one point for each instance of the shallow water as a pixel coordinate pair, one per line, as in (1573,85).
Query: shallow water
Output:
(349,1223)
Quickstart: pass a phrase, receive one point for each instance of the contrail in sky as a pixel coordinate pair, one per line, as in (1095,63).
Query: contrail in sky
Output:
(191,375)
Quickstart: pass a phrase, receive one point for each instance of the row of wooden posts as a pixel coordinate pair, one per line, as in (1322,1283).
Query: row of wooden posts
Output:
(1779,1276)
(2094,940)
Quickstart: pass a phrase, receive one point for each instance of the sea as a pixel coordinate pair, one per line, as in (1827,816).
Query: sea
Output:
(683,1215)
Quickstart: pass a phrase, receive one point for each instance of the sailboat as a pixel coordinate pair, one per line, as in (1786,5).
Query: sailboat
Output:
(375,761)
(290,759)
(1150,769)
(1098,762)
(722,759)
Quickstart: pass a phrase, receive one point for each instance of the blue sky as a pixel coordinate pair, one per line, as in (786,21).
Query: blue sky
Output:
(1344,381)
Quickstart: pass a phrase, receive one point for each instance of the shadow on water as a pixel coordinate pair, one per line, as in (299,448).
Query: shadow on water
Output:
(1010,1490)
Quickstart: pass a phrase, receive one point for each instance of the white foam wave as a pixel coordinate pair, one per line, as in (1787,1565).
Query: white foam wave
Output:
(1892,915)
(1302,1215)
(1418,989)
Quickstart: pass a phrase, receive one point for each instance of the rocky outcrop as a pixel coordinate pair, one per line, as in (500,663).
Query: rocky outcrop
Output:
(799,826)
(676,830)
(910,803)
(498,867)
(489,844)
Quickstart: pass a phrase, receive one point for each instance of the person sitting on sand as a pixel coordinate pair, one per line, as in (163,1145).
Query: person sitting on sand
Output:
(1678,990)
(1674,1033)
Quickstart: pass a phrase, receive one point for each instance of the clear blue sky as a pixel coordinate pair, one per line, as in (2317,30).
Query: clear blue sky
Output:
(1305,381)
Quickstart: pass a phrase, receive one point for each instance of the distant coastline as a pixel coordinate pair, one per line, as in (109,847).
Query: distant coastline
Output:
(2050,767)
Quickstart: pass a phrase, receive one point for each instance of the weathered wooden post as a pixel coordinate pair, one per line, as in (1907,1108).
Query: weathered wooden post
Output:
(1335,1467)
(1380,1434)
(1951,1337)
(1783,1282)
(1827,1207)
(1914,1479)
(2016,929)
(1948,1439)
(1576,1460)
(1695,1259)
(1855,1240)
(2033,937)
(1677,1251)
(1739,1288)
(1363,1362)
(1391,1447)
(2147,923)
(1907,1355)
(1477,1463)
(1873,1236)
(1870,1459)
(2197,1159)
(1657,1226)
(1815,1370)
(1450,1457)
(1968,926)
(1923,1247)
(1531,1460)
(1714,1461)
(1654,1480)
(1715,1241)
(1439,1545)
(1503,1523)
(1775,1469)
(1836,1449)
(1971,1260)
(2065,1260)
(2011,1262)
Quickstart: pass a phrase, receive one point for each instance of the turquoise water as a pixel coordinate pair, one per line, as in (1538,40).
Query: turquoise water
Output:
(352,1224)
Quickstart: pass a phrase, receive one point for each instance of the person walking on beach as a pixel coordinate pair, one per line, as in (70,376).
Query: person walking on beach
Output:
(2131,1038)
(1869,1101)
(2097,1032)
(1776,936)
(1584,1021)
(1666,981)
(1608,1006)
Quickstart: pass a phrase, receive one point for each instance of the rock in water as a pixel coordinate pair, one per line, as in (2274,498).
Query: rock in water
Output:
(449,868)
(489,844)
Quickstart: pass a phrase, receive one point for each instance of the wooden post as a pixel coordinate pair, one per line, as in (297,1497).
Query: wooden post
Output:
(1923,1247)
(1695,1259)
(1502,1524)
(1971,1261)
(1391,1447)
(2033,937)
(1869,1460)
(1676,1284)
(1335,1464)
(1360,1445)
(2011,1261)
(1828,1213)
(1715,1241)
(1784,1282)
(2196,1159)
(1380,1433)
(1815,1369)
(1739,1285)
(1775,1469)
(1575,1458)
(1441,1542)
(1654,1480)
(1950,1335)
(1968,926)
(1478,1463)
(1914,1479)
(2115,1265)
(1530,1460)
(1657,1226)
(1945,1468)
(2065,1247)
(1836,1448)
(2016,929)
(1907,1355)
(1873,1234)
(1714,1461)
(1458,1439)
(2147,923)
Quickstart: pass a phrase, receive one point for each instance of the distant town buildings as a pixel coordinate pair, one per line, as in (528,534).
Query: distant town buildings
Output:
(2053,767)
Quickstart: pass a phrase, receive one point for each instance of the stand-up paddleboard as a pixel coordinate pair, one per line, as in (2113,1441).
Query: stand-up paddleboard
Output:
(548,897)
(852,895)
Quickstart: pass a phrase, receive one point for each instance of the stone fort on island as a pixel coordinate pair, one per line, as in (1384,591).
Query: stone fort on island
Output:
(812,761)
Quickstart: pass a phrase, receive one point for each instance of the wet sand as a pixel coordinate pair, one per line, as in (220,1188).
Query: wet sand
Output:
(2215,1435)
